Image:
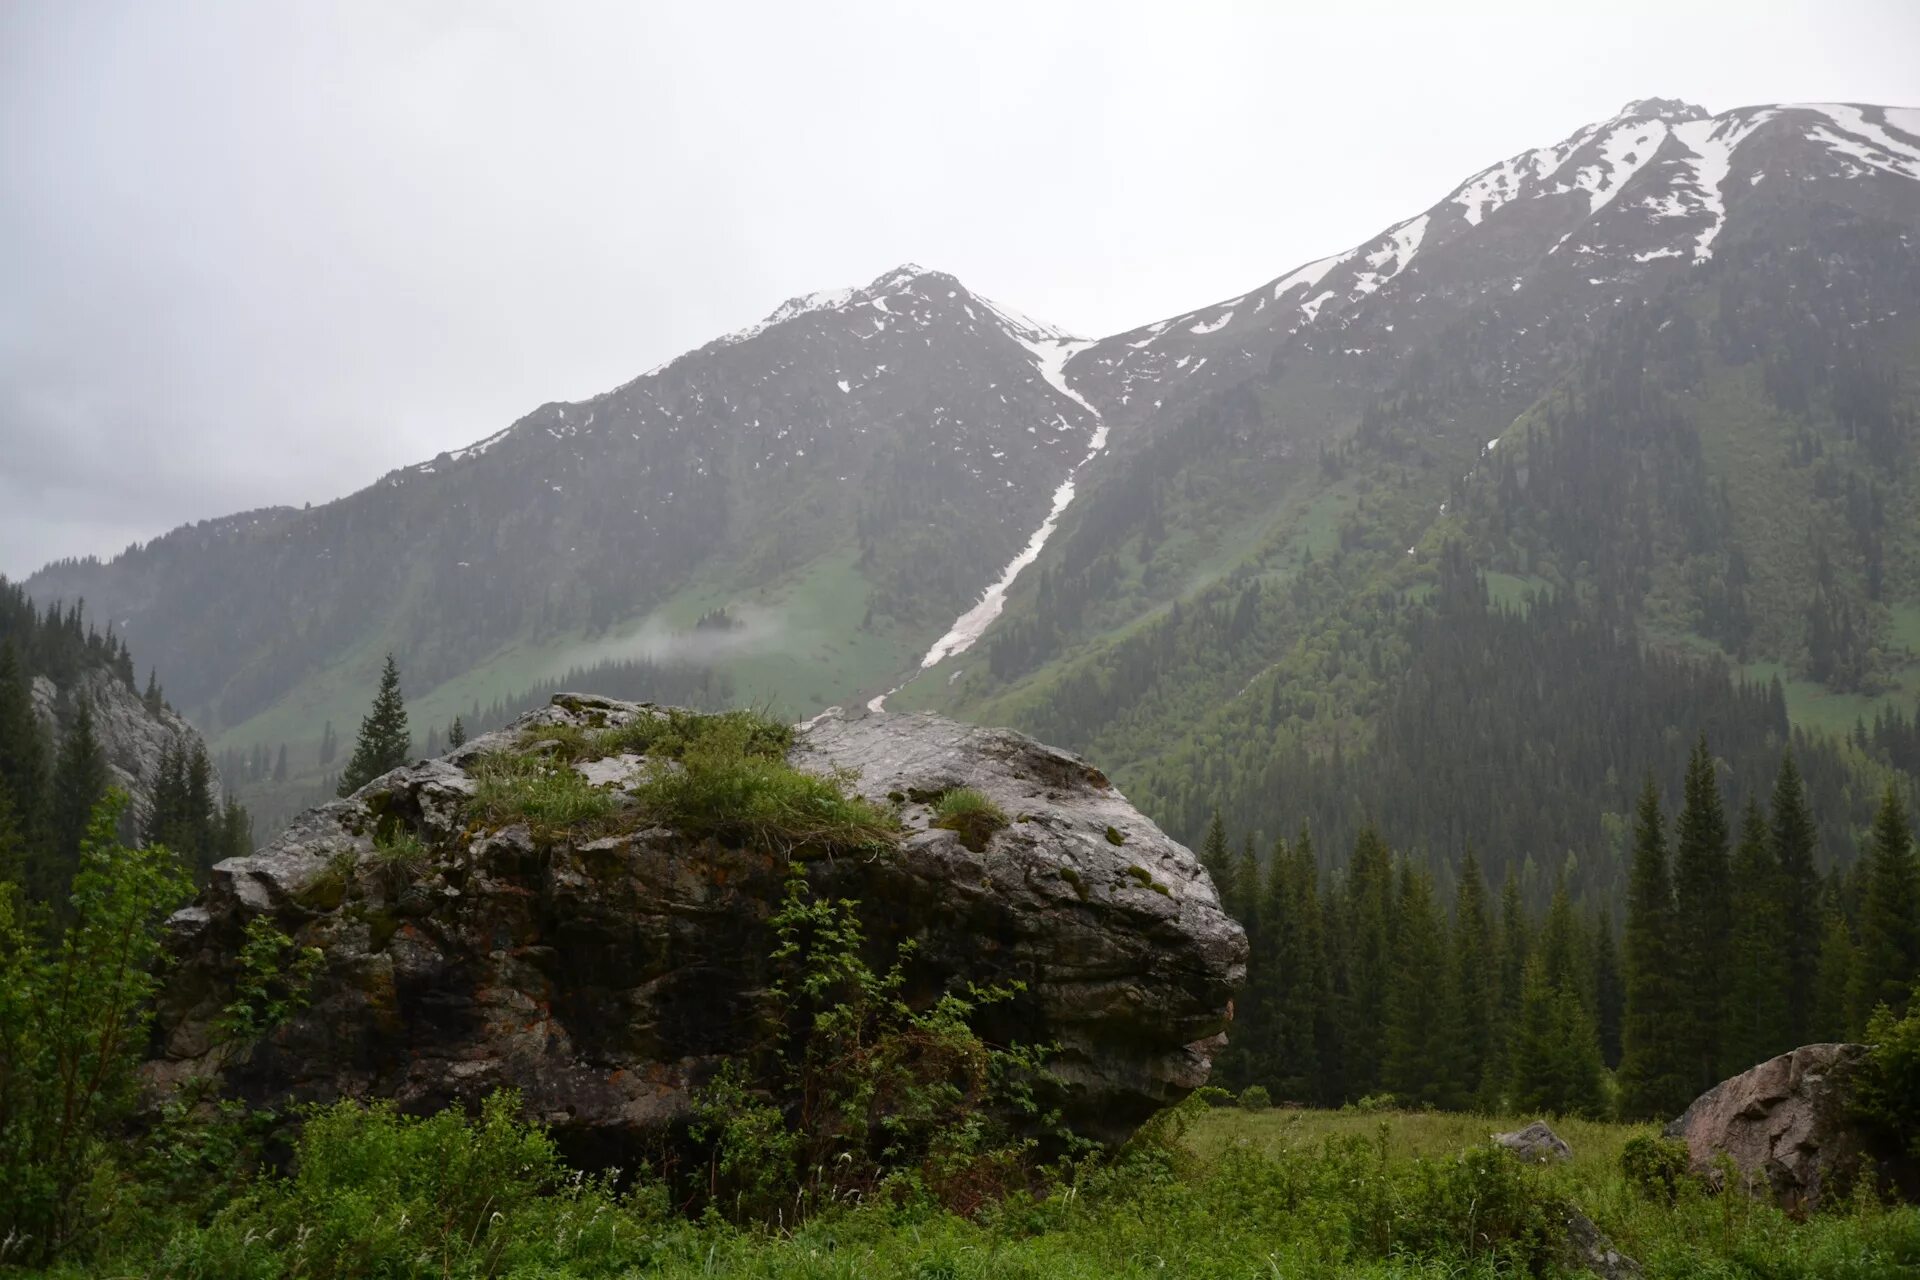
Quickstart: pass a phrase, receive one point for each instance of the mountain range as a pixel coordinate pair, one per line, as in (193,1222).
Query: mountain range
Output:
(1654,383)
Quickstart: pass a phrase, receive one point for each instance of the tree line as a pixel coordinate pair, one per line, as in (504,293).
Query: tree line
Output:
(1735,948)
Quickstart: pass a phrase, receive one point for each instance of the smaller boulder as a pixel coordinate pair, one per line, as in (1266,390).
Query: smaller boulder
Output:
(1589,1249)
(1536,1144)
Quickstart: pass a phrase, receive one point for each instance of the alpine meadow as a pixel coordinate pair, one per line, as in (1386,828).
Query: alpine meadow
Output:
(1412,769)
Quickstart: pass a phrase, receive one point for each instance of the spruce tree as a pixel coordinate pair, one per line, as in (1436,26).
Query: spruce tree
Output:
(1703,883)
(153,699)
(1301,1002)
(1369,921)
(1794,839)
(456,734)
(1216,856)
(1472,974)
(1556,1053)
(23,754)
(1419,1038)
(1889,960)
(1654,1080)
(1609,990)
(384,741)
(1516,943)
(1757,1017)
(79,781)
(1833,989)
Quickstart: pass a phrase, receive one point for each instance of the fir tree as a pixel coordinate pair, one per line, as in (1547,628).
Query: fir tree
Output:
(1702,882)
(79,781)
(1419,1040)
(1794,839)
(1302,1000)
(1216,855)
(329,744)
(1609,990)
(1556,1054)
(456,734)
(1833,981)
(384,740)
(23,754)
(153,699)
(1889,959)
(1757,1015)
(1369,915)
(1516,943)
(1654,1079)
(1473,976)
(280,764)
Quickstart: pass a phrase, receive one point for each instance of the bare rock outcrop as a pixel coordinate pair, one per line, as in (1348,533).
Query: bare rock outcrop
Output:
(1537,1143)
(1784,1125)
(132,739)
(606,978)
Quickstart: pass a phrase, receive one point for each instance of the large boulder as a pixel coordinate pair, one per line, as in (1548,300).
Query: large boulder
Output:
(1784,1124)
(607,978)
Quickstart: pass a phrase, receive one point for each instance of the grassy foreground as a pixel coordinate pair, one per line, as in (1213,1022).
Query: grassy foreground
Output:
(1232,1194)
(1290,1193)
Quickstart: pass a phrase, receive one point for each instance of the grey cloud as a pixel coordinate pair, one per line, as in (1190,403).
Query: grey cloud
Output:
(256,254)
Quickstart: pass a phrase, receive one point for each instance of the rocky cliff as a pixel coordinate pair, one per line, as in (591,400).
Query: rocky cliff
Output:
(606,972)
(132,739)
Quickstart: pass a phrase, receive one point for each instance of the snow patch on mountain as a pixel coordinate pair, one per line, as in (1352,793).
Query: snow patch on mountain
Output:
(1711,143)
(1871,142)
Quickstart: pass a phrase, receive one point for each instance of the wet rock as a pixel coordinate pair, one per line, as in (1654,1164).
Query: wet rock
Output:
(1536,1144)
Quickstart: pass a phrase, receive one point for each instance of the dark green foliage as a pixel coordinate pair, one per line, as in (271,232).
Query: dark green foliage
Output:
(1655,1167)
(1889,959)
(1255,1098)
(1757,1019)
(184,816)
(862,1094)
(1475,981)
(1554,1065)
(1422,1036)
(1703,922)
(1794,840)
(79,781)
(1655,1079)
(384,740)
(1609,990)
(73,1025)
(456,734)
(972,814)
(375,1193)
(1886,1094)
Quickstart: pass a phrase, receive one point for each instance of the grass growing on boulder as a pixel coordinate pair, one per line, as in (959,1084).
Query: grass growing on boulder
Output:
(971,813)
(669,735)
(729,779)
(548,795)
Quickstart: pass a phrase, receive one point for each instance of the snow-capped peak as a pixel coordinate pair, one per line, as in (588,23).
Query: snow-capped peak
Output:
(1672,110)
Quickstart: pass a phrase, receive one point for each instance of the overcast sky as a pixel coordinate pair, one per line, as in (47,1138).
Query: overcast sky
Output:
(262,253)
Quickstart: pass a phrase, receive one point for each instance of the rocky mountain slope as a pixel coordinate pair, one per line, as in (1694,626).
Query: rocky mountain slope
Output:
(1665,364)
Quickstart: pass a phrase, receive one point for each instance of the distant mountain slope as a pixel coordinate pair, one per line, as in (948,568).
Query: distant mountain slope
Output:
(901,440)
(1665,368)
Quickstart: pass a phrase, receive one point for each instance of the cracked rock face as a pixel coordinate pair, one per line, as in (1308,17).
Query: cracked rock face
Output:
(607,978)
(1784,1124)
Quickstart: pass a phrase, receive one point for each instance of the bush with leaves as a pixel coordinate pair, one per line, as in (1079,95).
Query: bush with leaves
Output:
(1886,1093)
(375,1193)
(74,1016)
(1255,1098)
(860,1093)
(1654,1167)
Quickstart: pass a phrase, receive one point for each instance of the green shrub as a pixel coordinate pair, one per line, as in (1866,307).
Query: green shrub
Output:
(400,855)
(1655,1167)
(863,1094)
(377,1193)
(74,1015)
(1886,1093)
(1255,1098)
(971,813)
